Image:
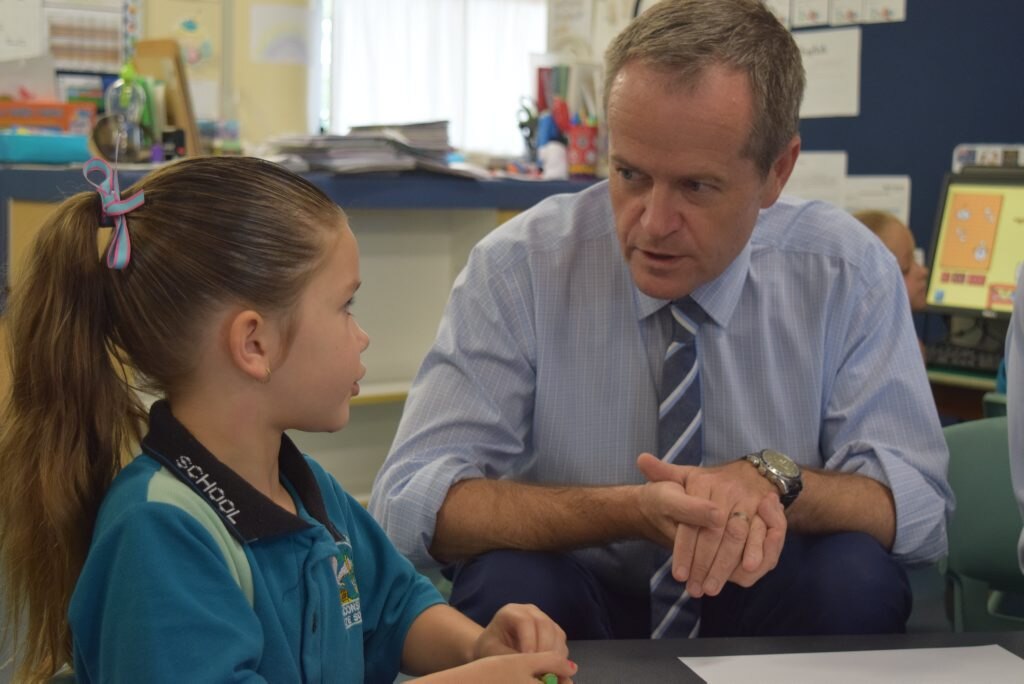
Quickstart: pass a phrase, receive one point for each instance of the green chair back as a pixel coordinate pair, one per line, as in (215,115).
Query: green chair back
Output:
(993,404)
(982,568)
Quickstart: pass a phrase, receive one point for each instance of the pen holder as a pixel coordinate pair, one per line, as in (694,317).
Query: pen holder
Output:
(582,151)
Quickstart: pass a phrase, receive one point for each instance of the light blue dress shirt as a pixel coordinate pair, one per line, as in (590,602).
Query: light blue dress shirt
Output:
(547,360)
(1015,400)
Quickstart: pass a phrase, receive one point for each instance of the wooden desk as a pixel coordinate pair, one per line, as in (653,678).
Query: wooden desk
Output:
(958,394)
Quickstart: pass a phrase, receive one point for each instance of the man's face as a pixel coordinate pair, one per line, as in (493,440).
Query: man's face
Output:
(685,198)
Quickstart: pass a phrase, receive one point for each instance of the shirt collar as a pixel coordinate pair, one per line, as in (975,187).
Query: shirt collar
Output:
(245,512)
(718,297)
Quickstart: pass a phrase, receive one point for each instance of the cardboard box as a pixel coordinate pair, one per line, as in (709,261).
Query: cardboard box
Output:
(75,117)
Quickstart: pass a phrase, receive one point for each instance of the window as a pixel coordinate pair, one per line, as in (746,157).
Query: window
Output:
(398,61)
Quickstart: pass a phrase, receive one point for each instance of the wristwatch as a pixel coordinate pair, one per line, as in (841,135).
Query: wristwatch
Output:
(781,471)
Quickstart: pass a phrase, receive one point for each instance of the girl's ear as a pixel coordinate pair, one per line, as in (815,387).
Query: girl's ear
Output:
(252,340)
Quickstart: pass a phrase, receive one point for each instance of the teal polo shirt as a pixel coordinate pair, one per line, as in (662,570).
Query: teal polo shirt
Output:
(194,576)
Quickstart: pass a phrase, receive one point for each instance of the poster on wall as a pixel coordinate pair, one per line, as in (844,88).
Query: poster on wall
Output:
(278,34)
(832,62)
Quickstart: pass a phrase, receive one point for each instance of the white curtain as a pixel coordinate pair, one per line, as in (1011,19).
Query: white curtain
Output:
(467,61)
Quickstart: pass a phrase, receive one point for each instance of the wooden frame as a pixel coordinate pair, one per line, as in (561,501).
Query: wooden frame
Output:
(161,60)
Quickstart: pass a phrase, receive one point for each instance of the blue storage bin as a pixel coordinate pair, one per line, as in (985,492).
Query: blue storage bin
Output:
(41,148)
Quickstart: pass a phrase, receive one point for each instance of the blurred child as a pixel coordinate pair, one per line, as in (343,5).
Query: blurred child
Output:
(900,241)
(220,553)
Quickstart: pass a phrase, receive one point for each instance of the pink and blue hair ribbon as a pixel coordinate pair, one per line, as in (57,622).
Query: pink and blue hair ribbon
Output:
(119,253)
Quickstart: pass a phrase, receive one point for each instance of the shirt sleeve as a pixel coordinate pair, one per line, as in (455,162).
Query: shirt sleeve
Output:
(392,594)
(880,418)
(469,411)
(156,602)
(1015,400)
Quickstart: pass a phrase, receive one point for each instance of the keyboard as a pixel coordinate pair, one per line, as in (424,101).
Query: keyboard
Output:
(962,358)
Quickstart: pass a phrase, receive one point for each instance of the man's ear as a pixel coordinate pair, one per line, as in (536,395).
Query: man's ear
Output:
(780,172)
(252,340)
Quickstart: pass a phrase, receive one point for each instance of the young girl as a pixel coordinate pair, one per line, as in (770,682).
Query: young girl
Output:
(220,553)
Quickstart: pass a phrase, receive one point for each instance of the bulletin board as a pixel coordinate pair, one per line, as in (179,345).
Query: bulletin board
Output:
(949,74)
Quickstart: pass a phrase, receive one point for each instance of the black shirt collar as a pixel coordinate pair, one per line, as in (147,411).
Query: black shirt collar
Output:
(247,514)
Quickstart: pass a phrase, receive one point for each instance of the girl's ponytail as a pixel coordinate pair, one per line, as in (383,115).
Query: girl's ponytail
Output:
(68,419)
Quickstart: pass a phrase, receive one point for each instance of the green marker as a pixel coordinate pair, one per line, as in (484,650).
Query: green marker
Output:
(550,678)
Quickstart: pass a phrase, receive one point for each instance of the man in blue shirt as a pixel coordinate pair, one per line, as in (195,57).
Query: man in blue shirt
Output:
(517,456)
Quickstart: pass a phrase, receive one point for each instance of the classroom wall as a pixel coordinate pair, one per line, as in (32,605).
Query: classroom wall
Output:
(248,55)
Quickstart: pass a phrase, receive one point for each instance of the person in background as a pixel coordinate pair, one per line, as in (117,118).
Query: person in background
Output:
(761,347)
(895,235)
(1014,364)
(220,553)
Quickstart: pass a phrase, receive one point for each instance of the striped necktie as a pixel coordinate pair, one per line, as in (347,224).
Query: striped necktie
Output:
(680,420)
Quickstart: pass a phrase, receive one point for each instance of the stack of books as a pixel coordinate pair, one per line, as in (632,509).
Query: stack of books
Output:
(367,149)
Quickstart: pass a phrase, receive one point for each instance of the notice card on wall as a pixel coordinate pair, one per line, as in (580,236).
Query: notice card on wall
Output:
(832,62)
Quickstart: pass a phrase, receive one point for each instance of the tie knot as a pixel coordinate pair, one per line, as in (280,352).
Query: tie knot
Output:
(686,318)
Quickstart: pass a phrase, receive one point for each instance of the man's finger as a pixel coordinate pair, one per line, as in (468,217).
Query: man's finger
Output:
(753,552)
(729,553)
(682,552)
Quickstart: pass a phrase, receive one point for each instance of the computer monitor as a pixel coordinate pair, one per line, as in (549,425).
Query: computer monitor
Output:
(978,243)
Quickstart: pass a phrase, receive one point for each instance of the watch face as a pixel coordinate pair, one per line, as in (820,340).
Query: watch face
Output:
(781,463)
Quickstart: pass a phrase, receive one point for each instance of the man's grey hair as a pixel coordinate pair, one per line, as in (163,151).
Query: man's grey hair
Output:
(683,38)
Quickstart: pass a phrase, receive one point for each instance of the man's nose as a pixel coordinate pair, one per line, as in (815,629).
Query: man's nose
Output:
(661,211)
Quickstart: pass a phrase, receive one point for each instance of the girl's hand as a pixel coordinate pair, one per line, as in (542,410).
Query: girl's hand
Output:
(521,628)
(516,668)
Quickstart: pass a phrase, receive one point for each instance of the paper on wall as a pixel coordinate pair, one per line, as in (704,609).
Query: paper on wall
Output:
(879,193)
(818,176)
(832,62)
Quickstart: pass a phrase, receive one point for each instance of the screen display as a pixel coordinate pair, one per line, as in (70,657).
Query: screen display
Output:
(978,245)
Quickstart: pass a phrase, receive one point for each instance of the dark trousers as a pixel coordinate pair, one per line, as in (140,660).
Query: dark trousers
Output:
(832,584)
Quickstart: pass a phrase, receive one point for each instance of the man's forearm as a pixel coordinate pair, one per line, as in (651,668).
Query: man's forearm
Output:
(480,515)
(844,502)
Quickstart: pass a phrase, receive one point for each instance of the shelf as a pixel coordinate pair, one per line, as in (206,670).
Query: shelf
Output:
(966,379)
(381,393)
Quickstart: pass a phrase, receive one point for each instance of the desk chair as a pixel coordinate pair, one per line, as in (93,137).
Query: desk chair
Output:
(982,570)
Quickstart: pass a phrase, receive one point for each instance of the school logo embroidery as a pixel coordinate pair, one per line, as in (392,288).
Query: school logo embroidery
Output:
(348,590)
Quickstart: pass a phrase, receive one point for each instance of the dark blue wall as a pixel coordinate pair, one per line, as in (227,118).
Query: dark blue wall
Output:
(953,72)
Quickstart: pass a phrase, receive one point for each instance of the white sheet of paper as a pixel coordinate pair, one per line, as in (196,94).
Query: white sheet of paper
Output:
(953,665)
(881,193)
(832,62)
(818,176)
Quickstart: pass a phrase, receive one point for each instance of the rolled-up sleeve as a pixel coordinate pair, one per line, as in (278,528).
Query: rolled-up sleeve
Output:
(474,421)
(881,420)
